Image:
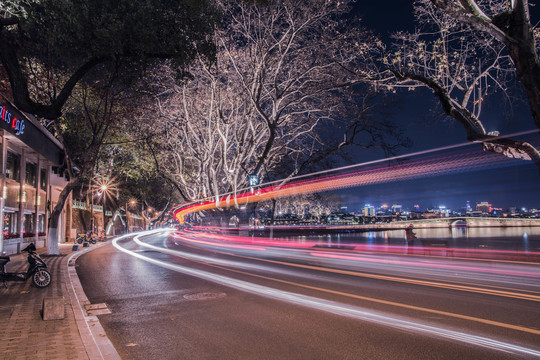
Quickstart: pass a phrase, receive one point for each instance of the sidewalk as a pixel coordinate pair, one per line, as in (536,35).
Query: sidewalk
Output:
(23,332)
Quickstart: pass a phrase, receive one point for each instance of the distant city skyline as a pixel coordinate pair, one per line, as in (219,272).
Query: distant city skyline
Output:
(474,206)
(514,186)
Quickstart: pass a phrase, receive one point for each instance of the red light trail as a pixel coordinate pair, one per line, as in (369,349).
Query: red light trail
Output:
(433,166)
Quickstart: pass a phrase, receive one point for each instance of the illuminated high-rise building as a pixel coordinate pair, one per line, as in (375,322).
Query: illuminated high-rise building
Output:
(484,207)
(368,210)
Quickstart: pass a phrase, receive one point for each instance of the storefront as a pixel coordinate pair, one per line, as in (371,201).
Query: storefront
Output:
(31,180)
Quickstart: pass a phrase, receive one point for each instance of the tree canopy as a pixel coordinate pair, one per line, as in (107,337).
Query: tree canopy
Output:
(267,103)
(49,46)
(53,50)
(465,51)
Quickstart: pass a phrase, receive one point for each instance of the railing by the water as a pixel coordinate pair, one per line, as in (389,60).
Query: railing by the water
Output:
(478,221)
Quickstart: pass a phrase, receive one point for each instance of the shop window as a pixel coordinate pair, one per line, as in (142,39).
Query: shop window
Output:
(41,224)
(28,225)
(43,179)
(13,165)
(10,225)
(31,174)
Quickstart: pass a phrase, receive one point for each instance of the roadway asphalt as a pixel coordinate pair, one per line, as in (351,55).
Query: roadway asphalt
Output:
(165,308)
(134,309)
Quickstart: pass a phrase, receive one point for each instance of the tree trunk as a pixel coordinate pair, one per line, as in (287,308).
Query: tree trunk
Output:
(528,72)
(274,202)
(53,236)
(521,45)
(513,28)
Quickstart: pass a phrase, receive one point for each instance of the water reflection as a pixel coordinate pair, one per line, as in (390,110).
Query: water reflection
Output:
(499,238)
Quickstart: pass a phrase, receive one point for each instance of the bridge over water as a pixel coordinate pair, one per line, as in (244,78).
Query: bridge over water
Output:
(445,222)
(469,221)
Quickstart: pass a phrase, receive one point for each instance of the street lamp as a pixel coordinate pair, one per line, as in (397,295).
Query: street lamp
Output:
(92,210)
(149,211)
(105,187)
(92,189)
(132,204)
(103,190)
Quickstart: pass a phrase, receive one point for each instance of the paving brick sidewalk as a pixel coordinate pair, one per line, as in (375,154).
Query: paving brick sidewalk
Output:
(23,332)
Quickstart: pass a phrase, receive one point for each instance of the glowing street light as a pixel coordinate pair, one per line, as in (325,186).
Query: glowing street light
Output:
(105,188)
(133,205)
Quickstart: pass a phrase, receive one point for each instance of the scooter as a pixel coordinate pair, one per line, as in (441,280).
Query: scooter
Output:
(80,239)
(84,237)
(36,269)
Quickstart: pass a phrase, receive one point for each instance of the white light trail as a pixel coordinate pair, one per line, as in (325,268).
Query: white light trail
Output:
(331,306)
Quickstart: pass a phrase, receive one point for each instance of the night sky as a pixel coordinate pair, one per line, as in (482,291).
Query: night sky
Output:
(514,184)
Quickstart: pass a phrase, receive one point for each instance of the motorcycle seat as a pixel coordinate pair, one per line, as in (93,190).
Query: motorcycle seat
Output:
(4,260)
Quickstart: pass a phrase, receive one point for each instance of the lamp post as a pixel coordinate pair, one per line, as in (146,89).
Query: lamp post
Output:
(103,190)
(132,204)
(149,211)
(92,211)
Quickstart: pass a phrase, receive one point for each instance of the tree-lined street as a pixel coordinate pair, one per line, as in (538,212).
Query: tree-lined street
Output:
(217,91)
(232,119)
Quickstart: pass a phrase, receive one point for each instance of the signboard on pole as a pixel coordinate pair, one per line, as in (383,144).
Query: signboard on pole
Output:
(253,180)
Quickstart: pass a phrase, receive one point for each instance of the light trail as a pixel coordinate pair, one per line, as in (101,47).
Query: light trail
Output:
(399,157)
(356,253)
(392,303)
(434,166)
(307,253)
(358,259)
(335,307)
(485,291)
(226,265)
(350,257)
(451,252)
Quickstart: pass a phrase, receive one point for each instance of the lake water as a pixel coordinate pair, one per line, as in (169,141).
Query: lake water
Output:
(526,239)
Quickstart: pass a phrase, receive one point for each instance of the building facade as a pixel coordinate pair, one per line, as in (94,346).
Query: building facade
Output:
(31,180)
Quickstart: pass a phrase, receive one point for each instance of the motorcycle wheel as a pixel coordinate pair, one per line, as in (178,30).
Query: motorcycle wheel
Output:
(80,240)
(41,278)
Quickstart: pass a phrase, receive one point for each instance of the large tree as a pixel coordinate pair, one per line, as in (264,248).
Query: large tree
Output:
(53,48)
(465,51)
(508,23)
(277,95)
(49,46)
(92,118)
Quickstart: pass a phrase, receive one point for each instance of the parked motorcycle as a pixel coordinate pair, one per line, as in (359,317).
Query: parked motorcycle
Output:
(80,239)
(36,269)
(86,237)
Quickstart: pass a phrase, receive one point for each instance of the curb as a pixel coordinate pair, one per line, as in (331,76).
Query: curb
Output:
(95,340)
